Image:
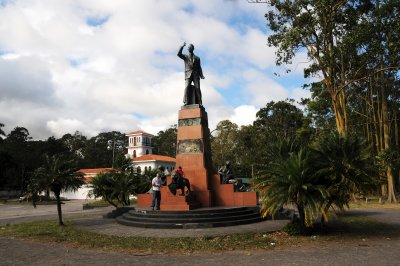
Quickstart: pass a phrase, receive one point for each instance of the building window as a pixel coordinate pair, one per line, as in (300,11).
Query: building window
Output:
(134,153)
(147,151)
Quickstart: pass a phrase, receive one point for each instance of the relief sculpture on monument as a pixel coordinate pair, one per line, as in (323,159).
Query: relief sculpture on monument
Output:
(190,146)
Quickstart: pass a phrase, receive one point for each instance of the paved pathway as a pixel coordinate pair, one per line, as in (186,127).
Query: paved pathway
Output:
(372,251)
(19,213)
(92,220)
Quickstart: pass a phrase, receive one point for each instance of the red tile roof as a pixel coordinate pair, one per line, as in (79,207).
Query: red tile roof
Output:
(154,157)
(137,132)
(91,172)
(94,170)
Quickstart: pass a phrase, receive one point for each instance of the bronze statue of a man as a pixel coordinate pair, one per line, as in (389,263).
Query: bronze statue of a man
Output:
(193,73)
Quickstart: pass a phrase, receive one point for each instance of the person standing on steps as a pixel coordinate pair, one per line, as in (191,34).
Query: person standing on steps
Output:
(193,73)
(156,185)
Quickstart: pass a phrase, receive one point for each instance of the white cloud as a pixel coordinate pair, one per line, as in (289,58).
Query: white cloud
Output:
(59,74)
(244,115)
(262,89)
(26,79)
(300,93)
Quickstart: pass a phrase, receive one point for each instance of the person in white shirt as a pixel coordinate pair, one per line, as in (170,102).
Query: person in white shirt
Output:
(156,185)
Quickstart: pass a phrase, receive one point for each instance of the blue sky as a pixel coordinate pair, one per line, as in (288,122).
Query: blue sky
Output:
(100,65)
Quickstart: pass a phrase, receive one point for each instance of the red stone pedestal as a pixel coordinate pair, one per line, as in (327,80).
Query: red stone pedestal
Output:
(194,155)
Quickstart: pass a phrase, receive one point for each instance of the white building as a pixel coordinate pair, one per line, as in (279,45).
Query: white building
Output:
(141,152)
(143,159)
(82,192)
(153,161)
(139,143)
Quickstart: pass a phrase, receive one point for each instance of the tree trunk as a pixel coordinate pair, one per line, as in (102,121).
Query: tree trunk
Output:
(391,197)
(374,117)
(57,195)
(302,217)
(111,202)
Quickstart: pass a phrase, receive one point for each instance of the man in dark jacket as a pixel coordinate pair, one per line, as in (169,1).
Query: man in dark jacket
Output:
(193,73)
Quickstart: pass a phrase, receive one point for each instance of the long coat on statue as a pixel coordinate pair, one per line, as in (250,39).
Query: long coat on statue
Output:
(193,73)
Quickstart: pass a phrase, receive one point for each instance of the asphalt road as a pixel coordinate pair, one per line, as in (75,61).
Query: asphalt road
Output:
(19,213)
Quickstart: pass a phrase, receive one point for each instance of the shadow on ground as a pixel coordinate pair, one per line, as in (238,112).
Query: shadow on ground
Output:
(360,224)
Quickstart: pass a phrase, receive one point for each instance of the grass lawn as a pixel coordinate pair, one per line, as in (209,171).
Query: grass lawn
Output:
(52,232)
(102,203)
(373,203)
(346,228)
(25,202)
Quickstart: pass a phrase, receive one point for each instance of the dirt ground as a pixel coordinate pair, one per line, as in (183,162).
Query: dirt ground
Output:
(370,251)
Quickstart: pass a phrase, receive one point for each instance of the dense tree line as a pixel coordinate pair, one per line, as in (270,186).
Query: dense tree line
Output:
(20,155)
(244,147)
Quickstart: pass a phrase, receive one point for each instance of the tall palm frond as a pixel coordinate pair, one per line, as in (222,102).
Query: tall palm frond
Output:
(291,181)
(58,174)
(346,165)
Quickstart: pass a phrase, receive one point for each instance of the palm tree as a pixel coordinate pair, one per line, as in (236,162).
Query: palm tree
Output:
(102,186)
(346,165)
(117,186)
(58,175)
(291,181)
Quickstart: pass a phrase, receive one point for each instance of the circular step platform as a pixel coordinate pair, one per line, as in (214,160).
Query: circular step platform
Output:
(199,218)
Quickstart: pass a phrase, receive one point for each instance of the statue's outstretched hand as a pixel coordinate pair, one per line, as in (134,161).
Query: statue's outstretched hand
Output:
(202,77)
(184,44)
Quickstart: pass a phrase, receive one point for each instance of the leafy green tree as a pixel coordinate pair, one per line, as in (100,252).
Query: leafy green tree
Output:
(95,153)
(248,152)
(74,143)
(279,120)
(122,162)
(276,122)
(165,142)
(58,174)
(330,34)
(17,151)
(224,144)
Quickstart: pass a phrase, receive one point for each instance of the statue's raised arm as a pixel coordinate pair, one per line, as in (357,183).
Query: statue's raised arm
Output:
(180,51)
(193,73)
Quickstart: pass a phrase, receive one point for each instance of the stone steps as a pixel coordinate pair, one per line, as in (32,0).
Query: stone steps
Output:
(201,218)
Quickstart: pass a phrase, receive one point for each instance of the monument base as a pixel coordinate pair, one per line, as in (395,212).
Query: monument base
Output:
(225,195)
(194,156)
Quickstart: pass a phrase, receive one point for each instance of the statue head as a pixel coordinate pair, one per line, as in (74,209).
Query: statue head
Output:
(190,48)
